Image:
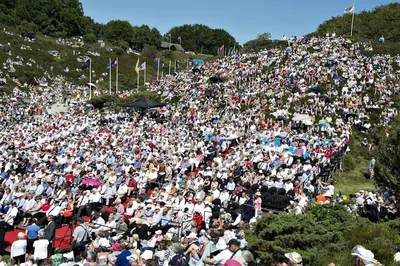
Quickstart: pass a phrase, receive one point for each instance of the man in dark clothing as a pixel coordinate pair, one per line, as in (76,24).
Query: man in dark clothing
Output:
(140,229)
(247,209)
(50,233)
(4,227)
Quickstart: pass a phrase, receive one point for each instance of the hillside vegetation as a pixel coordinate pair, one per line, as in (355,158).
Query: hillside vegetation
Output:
(42,61)
(384,21)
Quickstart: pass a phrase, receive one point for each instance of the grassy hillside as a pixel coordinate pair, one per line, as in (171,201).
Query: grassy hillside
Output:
(44,61)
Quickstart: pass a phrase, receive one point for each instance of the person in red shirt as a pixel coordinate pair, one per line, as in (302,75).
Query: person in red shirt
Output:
(198,219)
(70,177)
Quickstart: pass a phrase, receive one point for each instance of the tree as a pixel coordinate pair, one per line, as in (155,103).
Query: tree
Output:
(27,29)
(143,35)
(119,30)
(387,171)
(324,234)
(200,37)
(264,36)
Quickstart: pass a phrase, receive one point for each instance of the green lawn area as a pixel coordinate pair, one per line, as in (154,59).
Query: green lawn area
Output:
(355,169)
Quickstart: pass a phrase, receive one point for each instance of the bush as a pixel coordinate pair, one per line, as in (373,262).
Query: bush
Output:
(324,234)
(27,29)
(90,38)
(149,52)
(118,51)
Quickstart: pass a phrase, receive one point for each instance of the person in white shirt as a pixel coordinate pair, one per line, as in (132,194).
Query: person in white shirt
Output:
(11,214)
(18,249)
(40,247)
(83,204)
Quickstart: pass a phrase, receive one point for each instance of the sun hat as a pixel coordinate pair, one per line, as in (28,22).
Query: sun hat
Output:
(192,235)
(221,244)
(147,255)
(366,255)
(294,257)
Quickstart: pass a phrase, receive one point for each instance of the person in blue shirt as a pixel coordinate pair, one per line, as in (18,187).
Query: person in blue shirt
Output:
(32,235)
(122,257)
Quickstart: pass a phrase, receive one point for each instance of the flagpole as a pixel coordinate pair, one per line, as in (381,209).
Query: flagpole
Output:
(352,19)
(138,79)
(158,68)
(169,69)
(175,67)
(90,79)
(144,83)
(116,78)
(109,63)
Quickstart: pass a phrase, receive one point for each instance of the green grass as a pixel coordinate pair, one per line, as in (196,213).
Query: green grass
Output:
(352,178)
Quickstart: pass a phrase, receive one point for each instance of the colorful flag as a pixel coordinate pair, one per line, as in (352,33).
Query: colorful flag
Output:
(143,66)
(137,66)
(114,63)
(86,64)
(349,9)
(169,35)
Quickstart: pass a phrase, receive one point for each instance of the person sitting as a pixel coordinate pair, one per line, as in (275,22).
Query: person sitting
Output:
(28,214)
(108,192)
(83,205)
(68,211)
(54,211)
(44,208)
(108,227)
(95,199)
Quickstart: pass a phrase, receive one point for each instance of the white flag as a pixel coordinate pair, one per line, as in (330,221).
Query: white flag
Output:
(143,66)
(349,9)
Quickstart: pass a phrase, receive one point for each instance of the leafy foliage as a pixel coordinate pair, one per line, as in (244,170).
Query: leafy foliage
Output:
(201,38)
(325,234)
(262,42)
(388,156)
(383,20)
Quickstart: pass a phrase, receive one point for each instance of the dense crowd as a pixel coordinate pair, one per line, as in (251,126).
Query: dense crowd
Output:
(251,134)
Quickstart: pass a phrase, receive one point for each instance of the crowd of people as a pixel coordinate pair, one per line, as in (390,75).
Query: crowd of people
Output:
(181,188)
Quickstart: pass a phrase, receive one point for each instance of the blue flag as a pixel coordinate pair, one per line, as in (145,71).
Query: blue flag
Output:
(86,64)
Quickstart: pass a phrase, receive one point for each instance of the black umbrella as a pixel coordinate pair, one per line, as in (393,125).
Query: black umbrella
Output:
(216,79)
(143,103)
(316,90)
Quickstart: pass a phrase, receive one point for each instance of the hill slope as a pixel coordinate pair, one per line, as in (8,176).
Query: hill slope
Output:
(43,61)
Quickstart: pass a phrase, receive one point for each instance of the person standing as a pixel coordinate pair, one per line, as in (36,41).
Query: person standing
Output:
(371,167)
(32,235)
(18,249)
(79,237)
(50,233)
(4,227)
(40,246)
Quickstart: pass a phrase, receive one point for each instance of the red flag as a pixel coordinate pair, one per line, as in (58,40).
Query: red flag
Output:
(169,35)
